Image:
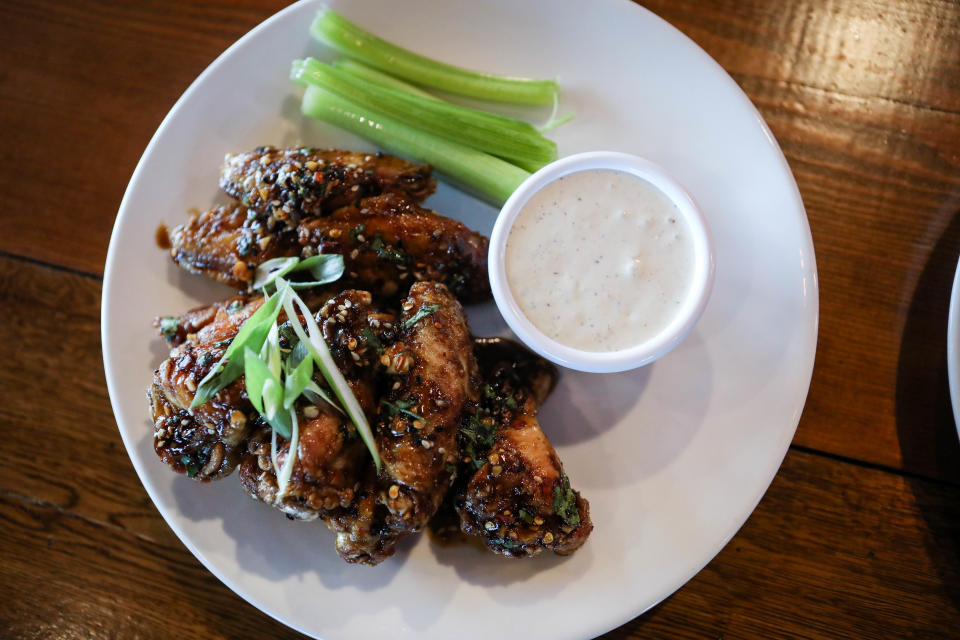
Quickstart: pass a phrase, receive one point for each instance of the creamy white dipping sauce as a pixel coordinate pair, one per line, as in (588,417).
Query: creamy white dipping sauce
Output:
(600,260)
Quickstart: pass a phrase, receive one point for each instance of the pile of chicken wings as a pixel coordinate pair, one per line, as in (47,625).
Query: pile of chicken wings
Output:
(454,417)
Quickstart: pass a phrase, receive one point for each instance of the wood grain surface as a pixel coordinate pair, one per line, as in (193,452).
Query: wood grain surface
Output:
(859,535)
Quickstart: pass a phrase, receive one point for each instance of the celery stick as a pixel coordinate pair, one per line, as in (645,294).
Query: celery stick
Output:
(357,43)
(370,74)
(513,140)
(491,178)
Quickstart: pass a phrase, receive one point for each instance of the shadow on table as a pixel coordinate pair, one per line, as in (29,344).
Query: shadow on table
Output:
(925,425)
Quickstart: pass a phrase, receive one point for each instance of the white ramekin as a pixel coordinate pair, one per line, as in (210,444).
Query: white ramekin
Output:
(655,346)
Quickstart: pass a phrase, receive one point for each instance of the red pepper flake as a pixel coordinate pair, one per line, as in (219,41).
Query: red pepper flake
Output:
(318,177)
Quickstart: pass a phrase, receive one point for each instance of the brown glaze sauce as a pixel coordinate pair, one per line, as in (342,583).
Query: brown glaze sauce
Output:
(162,237)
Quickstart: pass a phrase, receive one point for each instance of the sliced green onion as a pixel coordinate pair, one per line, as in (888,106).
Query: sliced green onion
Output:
(355,42)
(370,74)
(296,381)
(316,394)
(252,334)
(511,139)
(325,268)
(283,475)
(265,392)
(313,338)
(272,269)
(488,176)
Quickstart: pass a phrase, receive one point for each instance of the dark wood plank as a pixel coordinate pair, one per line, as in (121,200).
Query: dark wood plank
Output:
(68,577)
(62,444)
(864,98)
(833,551)
(84,86)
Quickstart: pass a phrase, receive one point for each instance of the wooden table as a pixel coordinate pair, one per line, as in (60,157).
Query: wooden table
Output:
(859,535)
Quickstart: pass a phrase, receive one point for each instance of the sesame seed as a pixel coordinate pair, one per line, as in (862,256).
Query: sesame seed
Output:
(190,384)
(493,458)
(427,444)
(548,537)
(418,424)
(538,521)
(496,470)
(347,304)
(238,420)
(335,233)
(311,411)
(490,525)
(355,356)
(352,344)
(407,305)
(394,492)
(354,254)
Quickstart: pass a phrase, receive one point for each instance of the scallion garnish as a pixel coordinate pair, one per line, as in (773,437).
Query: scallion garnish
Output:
(252,334)
(313,339)
(325,268)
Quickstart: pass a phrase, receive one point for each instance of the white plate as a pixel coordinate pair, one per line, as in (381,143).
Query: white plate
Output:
(953,348)
(672,457)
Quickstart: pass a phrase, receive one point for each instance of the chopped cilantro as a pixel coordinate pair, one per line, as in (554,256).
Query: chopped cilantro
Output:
(370,338)
(168,327)
(402,406)
(565,501)
(192,465)
(206,359)
(476,440)
(524,516)
(421,313)
(390,254)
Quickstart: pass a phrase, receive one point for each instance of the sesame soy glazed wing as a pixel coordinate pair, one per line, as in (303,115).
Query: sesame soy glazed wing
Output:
(513,492)
(299,202)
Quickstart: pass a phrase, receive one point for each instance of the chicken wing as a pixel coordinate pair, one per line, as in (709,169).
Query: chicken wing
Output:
(299,183)
(389,242)
(227,244)
(434,373)
(515,494)
(204,442)
(331,458)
